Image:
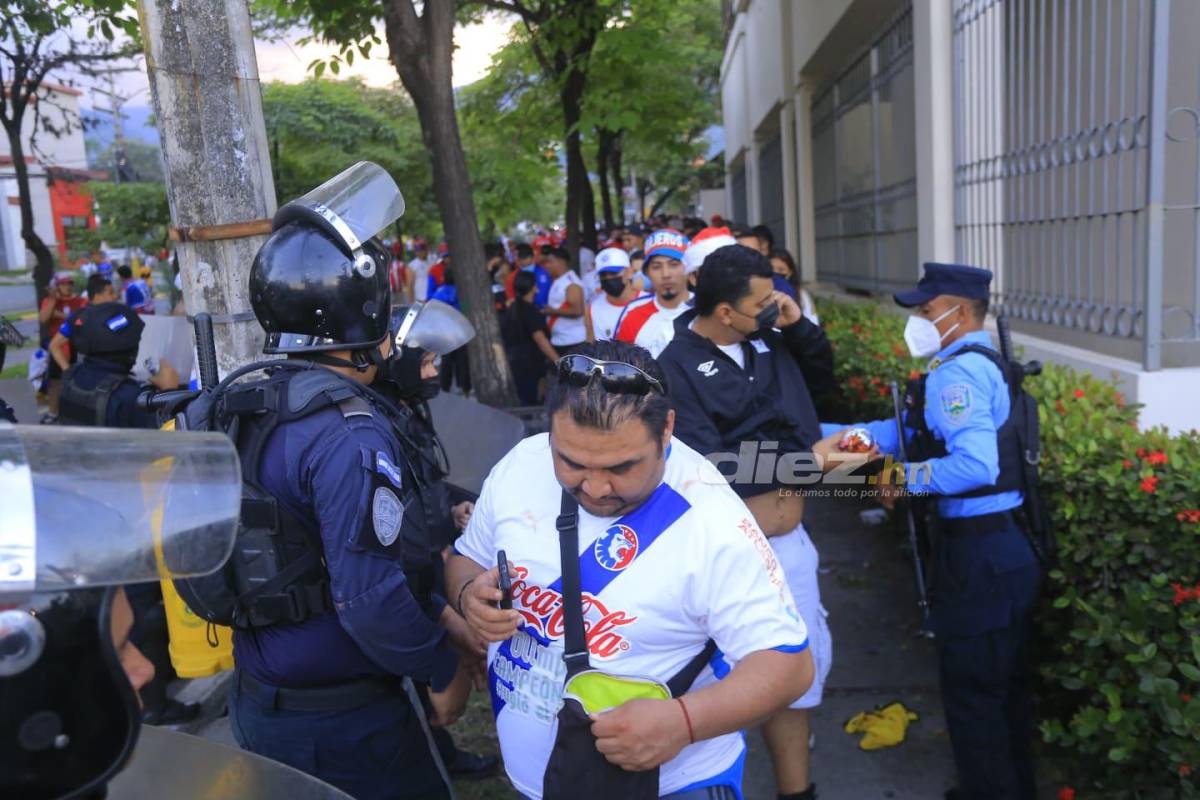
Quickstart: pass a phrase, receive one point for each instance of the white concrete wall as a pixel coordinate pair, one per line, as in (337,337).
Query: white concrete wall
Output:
(734,102)
(811,22)
(67,150)
(712,201)
(933,82)
(765,57)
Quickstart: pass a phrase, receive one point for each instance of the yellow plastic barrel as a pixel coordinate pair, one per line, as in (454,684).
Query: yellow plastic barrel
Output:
(191,648)
(197,649)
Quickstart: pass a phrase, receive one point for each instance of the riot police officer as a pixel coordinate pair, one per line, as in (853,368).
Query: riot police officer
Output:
(328,643)
(963,454)
(425,331)
(100,391)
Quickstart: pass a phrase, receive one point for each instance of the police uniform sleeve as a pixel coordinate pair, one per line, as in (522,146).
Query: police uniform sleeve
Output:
(370,592)
(958,409)
(736,587)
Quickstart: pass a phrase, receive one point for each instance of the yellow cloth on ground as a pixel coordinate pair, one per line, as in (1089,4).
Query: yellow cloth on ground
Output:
(883,727)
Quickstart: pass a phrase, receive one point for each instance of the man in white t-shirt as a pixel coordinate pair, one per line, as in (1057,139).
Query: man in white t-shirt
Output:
(564,304)
(617,292)
(650,323)
(418,271)
(670,559)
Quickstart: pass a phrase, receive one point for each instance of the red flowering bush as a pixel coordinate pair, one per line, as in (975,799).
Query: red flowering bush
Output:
(1118,647)
(1119,634)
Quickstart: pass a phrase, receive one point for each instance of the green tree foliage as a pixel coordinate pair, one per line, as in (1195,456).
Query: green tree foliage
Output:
(130,215)
(37,40)
(144,159)
(319,127)
(651,89)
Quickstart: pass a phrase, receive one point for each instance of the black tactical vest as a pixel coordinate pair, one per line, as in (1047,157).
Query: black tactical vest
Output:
(88,407)
(1012,437)
(277,572)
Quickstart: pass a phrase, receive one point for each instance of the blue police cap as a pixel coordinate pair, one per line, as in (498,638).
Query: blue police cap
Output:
(953,279)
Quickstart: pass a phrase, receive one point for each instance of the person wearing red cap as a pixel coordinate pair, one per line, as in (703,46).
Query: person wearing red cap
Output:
(437,273)
(61,302)
(650,322)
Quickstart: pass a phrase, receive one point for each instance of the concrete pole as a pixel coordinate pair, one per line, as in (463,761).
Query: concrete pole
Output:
(207,99)
(933,80)
(805,203)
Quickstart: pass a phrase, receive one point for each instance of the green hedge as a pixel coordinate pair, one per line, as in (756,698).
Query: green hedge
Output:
(1119,628)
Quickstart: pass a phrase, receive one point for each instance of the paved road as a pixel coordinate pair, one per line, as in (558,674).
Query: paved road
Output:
(18,297)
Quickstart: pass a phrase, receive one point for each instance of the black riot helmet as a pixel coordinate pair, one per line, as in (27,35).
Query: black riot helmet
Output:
(320,282)
(107,328)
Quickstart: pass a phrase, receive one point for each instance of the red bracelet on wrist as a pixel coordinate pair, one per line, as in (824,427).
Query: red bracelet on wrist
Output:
(687,718)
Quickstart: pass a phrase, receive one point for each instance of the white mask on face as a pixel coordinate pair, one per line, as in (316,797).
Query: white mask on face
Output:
(922,336)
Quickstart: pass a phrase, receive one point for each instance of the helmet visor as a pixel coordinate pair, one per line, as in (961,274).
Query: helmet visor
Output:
(87,507)
(434,326)
(355,204)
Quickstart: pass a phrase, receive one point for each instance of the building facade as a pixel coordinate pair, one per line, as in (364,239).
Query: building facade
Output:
(58,177)
(1055,142)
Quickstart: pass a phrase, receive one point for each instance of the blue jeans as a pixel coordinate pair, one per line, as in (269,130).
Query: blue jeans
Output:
(375,752)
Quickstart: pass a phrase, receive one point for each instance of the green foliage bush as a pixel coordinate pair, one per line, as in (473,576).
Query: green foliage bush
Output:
(1119,628)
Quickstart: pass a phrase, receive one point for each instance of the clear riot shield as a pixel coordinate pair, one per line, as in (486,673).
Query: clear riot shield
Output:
(353,205)
(432,325)
(92,507)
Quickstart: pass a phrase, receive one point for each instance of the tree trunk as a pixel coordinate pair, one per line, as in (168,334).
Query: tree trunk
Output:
(587,222)
(618,177)
(603,147)
(207,99)
(664,197)
(571,97)
(420,49)
(43,269)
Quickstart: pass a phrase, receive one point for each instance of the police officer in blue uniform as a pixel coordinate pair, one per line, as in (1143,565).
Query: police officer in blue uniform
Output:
(100,391)
(330,644)
(963,458)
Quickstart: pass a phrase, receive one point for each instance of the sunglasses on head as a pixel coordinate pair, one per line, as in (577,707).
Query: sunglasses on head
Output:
(615,376)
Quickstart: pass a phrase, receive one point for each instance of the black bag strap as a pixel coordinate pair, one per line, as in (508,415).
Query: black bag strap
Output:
(684,679)
(575,652)
(105,389)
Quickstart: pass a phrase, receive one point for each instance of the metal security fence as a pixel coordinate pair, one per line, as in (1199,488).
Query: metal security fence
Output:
(1077,168)
(864,166)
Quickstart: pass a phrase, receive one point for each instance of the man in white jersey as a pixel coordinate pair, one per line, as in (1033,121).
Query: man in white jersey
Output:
(617,292)
(564,305)
(418,271)
(670,559)
(650,322)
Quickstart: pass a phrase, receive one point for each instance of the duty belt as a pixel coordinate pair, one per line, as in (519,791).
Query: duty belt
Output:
(983,523)
(342,697)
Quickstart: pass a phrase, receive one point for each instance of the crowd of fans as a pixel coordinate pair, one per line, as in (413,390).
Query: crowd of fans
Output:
(631,288)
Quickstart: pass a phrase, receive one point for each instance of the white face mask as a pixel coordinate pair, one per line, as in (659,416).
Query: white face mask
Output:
(922,336)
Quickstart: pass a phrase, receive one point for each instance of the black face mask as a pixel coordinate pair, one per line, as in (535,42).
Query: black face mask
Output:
(401,373)
(613,287)
(764,321)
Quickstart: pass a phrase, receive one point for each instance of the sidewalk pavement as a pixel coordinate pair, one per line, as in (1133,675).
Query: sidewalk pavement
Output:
(867,586)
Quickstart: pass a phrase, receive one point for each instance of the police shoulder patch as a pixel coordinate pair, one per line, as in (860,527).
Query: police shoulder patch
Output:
(387,515)
(956,403)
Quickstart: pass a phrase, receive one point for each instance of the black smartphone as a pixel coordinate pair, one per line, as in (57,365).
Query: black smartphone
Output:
(505,580)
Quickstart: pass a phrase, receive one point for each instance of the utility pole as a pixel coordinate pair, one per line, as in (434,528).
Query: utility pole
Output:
(207,99)
(116,102)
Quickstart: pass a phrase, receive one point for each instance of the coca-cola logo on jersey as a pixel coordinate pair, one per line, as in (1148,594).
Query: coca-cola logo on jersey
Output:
(542,609)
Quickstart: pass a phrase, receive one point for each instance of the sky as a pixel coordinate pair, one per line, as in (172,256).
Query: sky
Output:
(288,62)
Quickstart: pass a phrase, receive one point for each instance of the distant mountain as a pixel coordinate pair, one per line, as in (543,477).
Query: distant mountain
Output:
(99,126)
